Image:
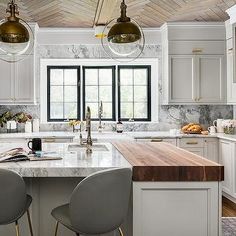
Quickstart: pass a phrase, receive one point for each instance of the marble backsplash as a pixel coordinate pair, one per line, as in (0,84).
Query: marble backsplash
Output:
(169,117)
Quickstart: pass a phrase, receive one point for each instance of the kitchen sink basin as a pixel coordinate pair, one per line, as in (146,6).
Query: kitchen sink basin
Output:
(95,147)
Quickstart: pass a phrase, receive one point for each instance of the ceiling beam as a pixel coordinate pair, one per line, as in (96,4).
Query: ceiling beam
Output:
(104,11)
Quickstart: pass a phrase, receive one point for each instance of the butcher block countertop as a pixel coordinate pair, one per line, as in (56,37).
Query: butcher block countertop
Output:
(165,162)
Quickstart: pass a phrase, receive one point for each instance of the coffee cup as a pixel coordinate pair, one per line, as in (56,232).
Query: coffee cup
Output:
(212,129)
(36,145)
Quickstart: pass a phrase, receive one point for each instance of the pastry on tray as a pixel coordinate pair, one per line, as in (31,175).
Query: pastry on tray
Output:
(192,128)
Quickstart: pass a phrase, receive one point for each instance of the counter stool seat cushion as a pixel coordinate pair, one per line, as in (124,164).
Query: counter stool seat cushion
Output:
(62,215)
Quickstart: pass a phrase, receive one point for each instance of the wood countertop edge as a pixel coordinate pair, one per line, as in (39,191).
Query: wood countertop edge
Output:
(142,171)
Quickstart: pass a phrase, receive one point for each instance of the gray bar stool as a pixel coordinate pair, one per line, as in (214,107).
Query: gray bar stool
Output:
(98,204)
(14,202)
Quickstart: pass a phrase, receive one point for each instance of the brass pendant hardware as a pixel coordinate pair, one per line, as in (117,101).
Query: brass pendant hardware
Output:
(124,31)
(12,31)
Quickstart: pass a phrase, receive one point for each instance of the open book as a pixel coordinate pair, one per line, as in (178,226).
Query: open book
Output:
(15,154)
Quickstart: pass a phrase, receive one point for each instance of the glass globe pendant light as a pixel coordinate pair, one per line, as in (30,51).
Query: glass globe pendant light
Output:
(125,39)
(16,36)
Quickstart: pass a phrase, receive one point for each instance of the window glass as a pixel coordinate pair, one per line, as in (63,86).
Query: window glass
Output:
(63,93)
(99,85)
(134,97)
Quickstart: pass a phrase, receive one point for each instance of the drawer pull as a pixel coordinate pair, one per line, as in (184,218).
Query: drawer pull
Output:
(49,140)
(157,140)
(197,50)
(192,143)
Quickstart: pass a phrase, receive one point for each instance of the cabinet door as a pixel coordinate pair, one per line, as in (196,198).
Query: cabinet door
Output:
(24,81)
(211,149)
(211,85)
(182,79)
(6,83)
(225,157)
(231,85)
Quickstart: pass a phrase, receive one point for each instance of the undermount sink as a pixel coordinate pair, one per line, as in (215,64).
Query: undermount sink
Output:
(95,147)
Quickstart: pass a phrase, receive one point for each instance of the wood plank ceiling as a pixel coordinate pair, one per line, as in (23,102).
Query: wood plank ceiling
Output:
(149,13)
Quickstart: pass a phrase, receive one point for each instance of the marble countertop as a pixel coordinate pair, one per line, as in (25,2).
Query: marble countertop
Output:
(73,164)
(111,136)
(56,134)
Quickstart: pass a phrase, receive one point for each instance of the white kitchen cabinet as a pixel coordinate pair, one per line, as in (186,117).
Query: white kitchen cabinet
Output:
(231,85)
(211,84)
(24,81)
(7,83)
(193,76)
(205,147)
(182,79)
(211,152)
(18,80)
(194,145)
(193,64)
(230,49)
(226,159)
(191,208)
(17,84)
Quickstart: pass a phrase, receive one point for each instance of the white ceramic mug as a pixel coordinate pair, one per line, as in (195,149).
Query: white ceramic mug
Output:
(218,125)
(212,129)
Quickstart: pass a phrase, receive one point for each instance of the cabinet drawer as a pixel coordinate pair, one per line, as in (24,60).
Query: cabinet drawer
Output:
(196,150)
(191,142)
(197,47)
(159,140)
(57,140)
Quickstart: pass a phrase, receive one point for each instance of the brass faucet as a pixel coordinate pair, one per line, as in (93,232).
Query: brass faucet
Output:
(89,142)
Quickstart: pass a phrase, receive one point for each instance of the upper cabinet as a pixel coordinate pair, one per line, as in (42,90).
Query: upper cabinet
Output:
(18,80)
(193,60)
(231,67)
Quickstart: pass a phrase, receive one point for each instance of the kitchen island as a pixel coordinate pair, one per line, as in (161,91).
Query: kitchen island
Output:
(174,192)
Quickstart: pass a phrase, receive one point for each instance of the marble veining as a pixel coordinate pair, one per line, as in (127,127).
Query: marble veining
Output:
(73,164)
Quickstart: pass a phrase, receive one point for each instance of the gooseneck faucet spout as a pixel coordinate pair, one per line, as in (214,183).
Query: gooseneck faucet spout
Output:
(100,112)
(89,142)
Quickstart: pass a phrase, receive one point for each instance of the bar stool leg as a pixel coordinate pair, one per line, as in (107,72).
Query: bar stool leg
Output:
(56,229)
(121,232)
(30,224)
(17,229)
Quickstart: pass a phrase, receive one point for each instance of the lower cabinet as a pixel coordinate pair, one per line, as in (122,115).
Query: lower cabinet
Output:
(176,208)
(211,149)
(227,156)
(205,147)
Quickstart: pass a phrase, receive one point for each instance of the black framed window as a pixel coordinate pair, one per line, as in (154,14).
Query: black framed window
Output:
(99,85)
(63,93)
(134,93)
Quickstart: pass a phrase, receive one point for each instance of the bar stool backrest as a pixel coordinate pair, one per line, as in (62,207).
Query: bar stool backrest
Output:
(100,202)
(12,196)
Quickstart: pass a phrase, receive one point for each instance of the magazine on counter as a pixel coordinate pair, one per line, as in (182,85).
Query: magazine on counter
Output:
(19,154)
(15,154)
